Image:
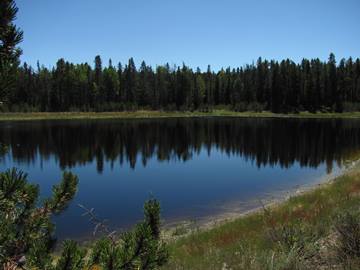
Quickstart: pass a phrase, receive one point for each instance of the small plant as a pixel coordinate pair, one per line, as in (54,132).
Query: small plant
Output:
(72,257)
(181,229)
(348,229)
(288,236)
(296,243)
(139,248)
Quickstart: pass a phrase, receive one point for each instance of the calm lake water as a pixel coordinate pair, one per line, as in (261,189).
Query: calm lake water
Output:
(197,167)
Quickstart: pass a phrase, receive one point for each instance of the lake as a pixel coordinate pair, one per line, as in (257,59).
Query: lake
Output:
(197,167)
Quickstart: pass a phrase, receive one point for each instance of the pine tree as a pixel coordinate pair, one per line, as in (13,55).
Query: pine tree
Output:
(200,90)
(59,86)
(144,89)
(26,228)
(275,88)
(27,231)
(260,81)
(72,257)
(209,87)
(139,248)
(130,84)
(332,83)
(10,37)
(111,84)
(98,70)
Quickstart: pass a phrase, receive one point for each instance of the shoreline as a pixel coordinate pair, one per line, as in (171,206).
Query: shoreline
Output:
(309,213)
(231,214)
(277,199)
(171,227)
(142,114)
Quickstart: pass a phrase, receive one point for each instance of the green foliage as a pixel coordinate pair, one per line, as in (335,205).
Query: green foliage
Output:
(26,230)
(63,193)
(139,248)
(10,37)
(152,216)
(27,233)
(280,87)
(72,257)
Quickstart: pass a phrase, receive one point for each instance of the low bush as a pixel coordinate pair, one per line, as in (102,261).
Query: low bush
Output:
(348,229)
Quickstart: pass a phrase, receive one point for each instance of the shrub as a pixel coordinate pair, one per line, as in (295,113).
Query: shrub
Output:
(295,239)
(171,107)
(287,236)
(255,107)
(348,229)
(205,108)
(139,248)
(351,106)
(240,107)
(72,257)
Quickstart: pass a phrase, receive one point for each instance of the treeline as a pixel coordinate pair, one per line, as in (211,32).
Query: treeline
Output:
(285,86)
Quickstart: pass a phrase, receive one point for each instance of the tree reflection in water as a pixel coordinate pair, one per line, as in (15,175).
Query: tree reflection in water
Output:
(263,141)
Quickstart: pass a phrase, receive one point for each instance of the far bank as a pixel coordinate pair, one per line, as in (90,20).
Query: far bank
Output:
(162,114)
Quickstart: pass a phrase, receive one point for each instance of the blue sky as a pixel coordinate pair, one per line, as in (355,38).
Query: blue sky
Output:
(197,32)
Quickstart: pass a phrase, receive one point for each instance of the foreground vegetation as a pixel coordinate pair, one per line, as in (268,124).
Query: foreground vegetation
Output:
(319,229)
(27,236)
(164,114)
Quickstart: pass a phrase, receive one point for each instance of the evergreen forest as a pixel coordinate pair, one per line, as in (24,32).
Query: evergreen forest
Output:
(276,86)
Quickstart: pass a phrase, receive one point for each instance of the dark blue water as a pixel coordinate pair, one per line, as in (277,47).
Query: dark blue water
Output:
(196,167)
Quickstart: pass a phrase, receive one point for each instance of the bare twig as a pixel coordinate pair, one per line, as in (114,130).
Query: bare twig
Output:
(100,226)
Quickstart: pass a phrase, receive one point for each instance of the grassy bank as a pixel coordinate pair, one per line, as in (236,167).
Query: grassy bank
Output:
(161,114)
(301,233)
